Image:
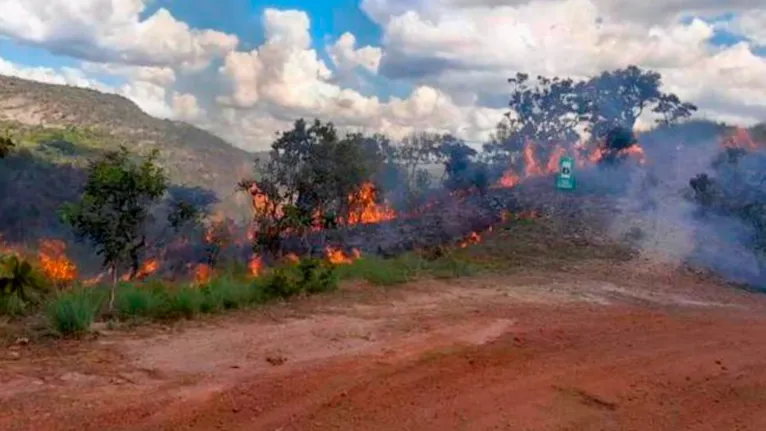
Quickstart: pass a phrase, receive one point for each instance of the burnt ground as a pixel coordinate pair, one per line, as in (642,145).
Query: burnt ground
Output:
(594,343)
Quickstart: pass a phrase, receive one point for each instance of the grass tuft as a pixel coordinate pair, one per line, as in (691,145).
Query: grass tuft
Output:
(73,313)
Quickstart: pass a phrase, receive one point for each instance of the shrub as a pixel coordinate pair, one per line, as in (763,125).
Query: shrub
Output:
(72,313)
(139,301)
(317,276)
(227,293)
(18,278)
(185,302)
(281,283)
(384,272)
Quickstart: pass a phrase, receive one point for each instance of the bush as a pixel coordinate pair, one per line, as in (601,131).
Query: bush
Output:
(185,302)
(18,278)
(309,276)
(384,272)
(139,301)
(227,293)
(317,276)
(73,313)
(282,283)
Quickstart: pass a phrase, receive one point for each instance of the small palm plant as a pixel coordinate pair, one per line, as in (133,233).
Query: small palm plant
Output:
(18,278)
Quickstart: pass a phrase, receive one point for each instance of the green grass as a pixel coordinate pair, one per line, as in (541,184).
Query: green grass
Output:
(522,244)
(72,313)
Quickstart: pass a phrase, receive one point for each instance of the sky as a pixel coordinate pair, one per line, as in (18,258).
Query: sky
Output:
(246,69)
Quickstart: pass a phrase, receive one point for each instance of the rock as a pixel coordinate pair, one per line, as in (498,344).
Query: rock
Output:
(13,355)
(22,341)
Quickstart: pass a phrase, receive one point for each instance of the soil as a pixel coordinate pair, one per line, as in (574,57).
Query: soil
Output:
(594,347)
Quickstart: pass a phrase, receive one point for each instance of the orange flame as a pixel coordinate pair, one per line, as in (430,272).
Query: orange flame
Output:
(473,238)
(533,166)
(54,262)
(292,257)
(255,265)
(365,209)
(741,139)
(202,273)
(338,257)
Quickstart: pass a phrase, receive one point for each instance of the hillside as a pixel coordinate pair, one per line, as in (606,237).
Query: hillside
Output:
(59,127)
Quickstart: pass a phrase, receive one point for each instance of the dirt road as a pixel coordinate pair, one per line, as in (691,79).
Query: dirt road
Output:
(591,348)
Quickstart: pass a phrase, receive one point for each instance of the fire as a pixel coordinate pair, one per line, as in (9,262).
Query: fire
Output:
(365,209)
(556,155)
(509,179)
(54,262)
(473,238)
(202,273)
(256,266)
(533,166)
(262,204)
(741,139)
(292,257)
(338,257)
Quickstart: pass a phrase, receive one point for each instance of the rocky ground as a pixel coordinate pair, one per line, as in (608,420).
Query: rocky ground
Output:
(594,345)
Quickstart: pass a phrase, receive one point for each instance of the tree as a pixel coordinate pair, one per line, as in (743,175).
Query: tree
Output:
(413,154)
(549,112)
(307,181)
(461,171)
(114,210)
(616,99)
(544,113)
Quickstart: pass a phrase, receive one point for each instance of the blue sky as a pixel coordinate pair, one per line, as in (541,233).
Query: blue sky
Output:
(459,60)
(329,18)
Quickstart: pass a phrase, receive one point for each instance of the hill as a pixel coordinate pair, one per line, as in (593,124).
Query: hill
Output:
(58,128)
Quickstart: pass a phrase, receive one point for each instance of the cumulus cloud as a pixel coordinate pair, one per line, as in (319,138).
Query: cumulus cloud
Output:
(468,49)
(112,31)
(345,55)
(456,55)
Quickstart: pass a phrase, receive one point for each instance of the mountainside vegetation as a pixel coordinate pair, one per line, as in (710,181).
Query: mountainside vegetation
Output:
(52,131)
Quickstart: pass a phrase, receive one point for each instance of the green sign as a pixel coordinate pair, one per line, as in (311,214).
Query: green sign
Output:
(565,179)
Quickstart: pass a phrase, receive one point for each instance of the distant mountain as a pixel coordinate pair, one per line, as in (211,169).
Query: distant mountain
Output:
(58,128)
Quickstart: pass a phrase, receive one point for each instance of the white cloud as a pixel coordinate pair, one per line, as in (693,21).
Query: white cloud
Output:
(469,48)
(164,76)
(112,31)
(186,108)
(345,55)
(751,25)
(457,55)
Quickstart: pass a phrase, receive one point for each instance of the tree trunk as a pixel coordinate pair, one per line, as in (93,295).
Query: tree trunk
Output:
(113,290)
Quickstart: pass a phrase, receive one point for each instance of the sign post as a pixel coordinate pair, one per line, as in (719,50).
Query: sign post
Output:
(565,179)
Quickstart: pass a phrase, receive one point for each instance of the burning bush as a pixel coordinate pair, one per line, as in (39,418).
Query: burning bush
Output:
(314,179)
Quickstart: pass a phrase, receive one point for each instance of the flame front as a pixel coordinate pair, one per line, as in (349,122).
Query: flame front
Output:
(55,264)
(365,209)
(338,257)
(473,238)
(202,273)
(255,265)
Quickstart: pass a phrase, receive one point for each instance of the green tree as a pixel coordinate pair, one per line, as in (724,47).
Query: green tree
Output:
(308,178)
(114,210)
(614,100)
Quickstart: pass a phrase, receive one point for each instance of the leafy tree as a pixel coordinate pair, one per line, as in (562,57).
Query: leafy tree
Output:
(114,210)
(548,112)
(307,181)
(461,171)
(616,99)
(544,113)
(413,154)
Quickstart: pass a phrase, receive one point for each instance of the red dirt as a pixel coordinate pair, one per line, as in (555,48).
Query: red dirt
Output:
(597,348)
